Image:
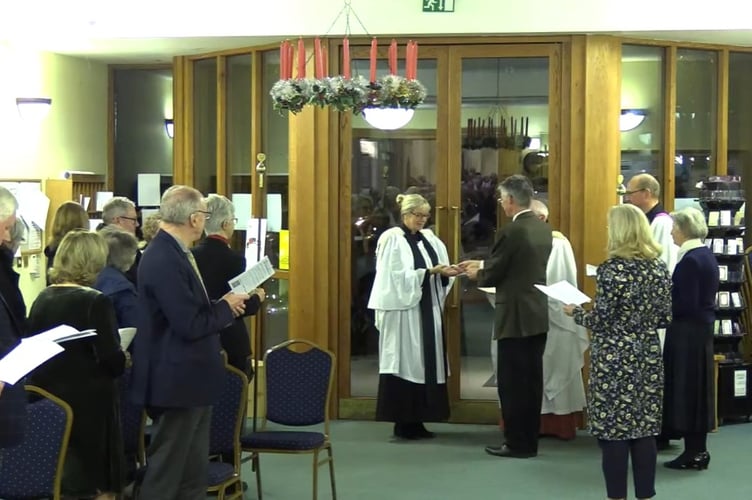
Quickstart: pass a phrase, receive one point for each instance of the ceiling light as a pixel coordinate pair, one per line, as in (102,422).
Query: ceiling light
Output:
(33,108)
(631,119)
(388,118)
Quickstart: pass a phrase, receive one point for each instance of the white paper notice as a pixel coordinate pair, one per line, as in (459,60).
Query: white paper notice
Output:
(63,333)
(565,292)
(590,270)
(25,357)
(126,336)
(255,241)
(148,190)
(242,204)
(740,383)
(102,198)
(252,278)
(274,212)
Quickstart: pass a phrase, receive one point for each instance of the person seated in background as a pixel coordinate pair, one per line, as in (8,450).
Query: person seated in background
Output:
(218,263)
(85,374)
(69,216)
(112,280)
(149,228)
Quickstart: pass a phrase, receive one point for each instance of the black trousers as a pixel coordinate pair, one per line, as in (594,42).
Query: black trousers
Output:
(520,384)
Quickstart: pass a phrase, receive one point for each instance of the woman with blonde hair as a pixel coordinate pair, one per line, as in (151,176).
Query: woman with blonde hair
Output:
(625,388)
(413,278)
(69,216)
(85,374)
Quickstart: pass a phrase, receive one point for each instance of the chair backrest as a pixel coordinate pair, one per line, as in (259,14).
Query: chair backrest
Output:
(35,467)
(228,414)
(132,418)
(298,384)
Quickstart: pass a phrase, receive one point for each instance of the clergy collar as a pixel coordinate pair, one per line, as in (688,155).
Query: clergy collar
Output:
(654,212)
(409,234)
(514,218)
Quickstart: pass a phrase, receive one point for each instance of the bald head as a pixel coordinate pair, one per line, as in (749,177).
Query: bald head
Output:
(539,209)
(643,191)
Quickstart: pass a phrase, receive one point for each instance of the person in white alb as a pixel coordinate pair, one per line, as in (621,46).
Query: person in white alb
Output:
(564,357)
(644,192)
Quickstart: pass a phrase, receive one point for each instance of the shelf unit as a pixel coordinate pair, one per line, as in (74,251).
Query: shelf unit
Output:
(721,199)
(73,188)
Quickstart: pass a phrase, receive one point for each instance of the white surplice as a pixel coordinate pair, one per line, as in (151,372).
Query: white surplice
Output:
(661,228)
(566,342)
(395,299)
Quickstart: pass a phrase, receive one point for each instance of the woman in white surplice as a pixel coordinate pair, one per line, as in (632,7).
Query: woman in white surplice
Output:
(413,278)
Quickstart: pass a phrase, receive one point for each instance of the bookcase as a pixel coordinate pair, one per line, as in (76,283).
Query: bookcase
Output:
(722,199)
(75,187)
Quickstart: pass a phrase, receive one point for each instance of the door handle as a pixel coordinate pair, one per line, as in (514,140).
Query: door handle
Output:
(437,218)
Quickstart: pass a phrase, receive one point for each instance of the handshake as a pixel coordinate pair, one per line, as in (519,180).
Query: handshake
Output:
(468,268)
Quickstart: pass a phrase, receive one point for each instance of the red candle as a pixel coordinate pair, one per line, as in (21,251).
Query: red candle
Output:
(393,57)
(374,57)
(414,69)
(288,70)
(301,59)
(346,58)
(324,64)
(318,59)
(282,55)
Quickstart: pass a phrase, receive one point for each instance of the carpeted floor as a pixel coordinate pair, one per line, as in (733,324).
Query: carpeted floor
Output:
(369,465)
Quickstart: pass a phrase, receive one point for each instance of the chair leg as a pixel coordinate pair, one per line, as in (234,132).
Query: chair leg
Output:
(255,460)
(315,474)
(331,472)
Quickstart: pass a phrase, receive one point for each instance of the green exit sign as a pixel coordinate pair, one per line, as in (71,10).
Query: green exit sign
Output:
(438,5)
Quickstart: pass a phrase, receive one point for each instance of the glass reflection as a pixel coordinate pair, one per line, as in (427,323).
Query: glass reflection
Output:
(642,83)
(505,132)
(739,113)
(205,125)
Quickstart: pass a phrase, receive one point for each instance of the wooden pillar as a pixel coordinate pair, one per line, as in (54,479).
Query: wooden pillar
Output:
(592,104)
(314,205)
(182,105)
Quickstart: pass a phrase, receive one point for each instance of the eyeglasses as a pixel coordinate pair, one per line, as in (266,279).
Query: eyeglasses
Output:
(635,191)
(207,215)
(420,215)
(132,219)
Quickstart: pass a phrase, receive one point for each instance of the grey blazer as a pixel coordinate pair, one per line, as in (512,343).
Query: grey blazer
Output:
(518,261)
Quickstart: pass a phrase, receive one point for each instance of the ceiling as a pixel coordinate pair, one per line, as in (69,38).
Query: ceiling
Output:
(161,50)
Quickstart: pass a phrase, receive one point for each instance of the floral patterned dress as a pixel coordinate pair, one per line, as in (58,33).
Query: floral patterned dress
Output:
(625,390)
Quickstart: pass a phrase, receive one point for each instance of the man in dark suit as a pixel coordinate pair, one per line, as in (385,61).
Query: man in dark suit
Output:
(518,261)
(12,397)
(218,264)
(177,360)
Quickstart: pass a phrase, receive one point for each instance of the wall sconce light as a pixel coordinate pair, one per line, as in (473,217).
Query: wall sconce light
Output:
(169,124)
(33,108)
(630,119)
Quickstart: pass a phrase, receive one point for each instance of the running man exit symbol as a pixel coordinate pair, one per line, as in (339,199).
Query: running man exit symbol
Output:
(438,5)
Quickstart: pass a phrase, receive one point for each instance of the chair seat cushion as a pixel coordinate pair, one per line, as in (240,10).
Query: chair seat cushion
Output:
(282,440)
(219,472)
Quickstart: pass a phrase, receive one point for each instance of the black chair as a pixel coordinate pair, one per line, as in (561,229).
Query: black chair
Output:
(298,391)
(34,469)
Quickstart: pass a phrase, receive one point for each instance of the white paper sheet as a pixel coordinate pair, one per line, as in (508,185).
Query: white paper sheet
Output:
(94,223)
(126,336)
(63,333)
(590,270)
(25,357)
(242,204)
(102,198)
(252,278)
(274,212)
(487,289)
(255,241)
(565,292)
(148,190)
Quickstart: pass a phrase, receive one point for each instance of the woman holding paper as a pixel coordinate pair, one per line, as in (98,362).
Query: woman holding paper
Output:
(688,401)
(413,278)
(625,389)
(85,374)
(218,263)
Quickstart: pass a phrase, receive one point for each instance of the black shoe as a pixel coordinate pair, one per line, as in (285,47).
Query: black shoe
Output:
(420,431)
(699,461)
(404,431)
(505,451)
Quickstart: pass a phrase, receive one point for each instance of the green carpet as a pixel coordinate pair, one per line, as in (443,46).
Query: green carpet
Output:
(369,465)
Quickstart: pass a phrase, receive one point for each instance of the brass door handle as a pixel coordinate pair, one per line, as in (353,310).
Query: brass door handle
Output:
(437,218)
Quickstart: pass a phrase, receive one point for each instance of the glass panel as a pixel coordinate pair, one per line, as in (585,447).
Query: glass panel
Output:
(382,168)
(696,100)
(277,315)
(274,142)
(238,129)
(505,131)
(740,113)
(205,125)
(642,102)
